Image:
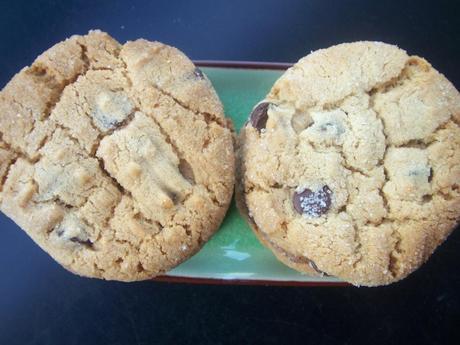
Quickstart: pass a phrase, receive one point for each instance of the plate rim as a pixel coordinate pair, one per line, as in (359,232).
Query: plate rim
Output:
(247,282)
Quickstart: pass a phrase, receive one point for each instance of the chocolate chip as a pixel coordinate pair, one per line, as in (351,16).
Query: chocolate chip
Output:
(86,243)
(198,73)
(312,204)
(259,116)
(430,177)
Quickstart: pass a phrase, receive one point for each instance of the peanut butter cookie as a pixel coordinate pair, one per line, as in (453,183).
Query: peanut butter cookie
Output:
(351,165)
(115,159)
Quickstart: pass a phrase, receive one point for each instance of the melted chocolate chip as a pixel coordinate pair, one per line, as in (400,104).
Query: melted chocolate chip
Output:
(259,116)
(198,73)
(312,204)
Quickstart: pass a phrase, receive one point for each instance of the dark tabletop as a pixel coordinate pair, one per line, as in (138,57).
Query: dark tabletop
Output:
(41,303)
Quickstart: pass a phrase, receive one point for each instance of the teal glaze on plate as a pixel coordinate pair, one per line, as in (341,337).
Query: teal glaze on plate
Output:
(234,252)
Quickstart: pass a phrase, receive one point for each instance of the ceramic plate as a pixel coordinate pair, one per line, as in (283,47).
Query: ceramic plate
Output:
(234,255)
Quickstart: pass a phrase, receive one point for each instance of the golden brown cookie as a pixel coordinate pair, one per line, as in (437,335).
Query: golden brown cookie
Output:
(116,159)
(351,164)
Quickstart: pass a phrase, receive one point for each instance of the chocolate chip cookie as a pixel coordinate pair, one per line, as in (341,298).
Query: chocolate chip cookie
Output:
(115,159)
(351,164)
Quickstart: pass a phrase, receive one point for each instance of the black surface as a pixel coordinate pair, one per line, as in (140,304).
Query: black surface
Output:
(40,303)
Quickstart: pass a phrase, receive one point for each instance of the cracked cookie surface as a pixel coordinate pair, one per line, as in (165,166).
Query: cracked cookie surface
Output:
(351,164)
(116,159)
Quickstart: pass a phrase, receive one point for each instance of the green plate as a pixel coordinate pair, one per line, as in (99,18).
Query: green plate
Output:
(234,254)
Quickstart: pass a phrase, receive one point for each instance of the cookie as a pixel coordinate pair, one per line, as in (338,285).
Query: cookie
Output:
(116,159)
(351,164)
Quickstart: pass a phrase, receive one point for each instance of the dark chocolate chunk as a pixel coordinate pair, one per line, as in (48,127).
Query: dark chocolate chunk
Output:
(312,204)
(198,73)
(259,116)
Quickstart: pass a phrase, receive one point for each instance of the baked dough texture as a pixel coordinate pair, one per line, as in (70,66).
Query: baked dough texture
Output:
(116,159)
(353,168)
